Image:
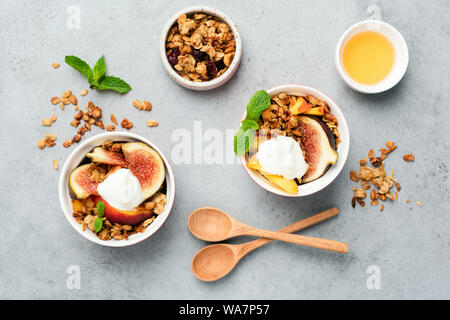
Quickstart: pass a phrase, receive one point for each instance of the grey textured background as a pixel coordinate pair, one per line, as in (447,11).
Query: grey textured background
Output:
(284,42)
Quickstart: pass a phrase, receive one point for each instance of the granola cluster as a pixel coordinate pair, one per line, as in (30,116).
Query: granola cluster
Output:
(200,47)
(91,116)
(277,120)
(383,184)
(85,212)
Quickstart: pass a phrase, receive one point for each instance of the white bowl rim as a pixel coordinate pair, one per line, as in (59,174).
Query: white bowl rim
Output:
(63,184)
(381,86)
(342,155)
(205,85)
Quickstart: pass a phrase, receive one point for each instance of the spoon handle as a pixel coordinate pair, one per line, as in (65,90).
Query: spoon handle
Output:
(318,243)
(297,226)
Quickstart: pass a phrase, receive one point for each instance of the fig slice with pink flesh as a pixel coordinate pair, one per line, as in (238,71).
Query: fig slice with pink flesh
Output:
(80,181)
(101,155)
(319,153)
(146,165)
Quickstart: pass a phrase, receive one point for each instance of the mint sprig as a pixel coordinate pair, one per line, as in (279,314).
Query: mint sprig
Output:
(97,77)
(98,222)
(243,139)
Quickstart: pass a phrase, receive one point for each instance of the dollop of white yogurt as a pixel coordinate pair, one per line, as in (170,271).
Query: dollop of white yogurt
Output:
(121,189)
(282,156)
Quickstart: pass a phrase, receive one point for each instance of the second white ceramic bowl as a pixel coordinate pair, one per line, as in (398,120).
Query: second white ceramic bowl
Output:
(74,160)
(205,85)
(342,150)
(401,59)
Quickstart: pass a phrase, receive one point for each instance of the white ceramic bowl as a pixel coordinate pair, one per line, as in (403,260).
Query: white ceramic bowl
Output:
(74,160)
(206,85)
(342,150)
(400,61)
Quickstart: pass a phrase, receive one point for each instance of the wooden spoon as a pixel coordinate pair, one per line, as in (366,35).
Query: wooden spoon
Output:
(211,224)
(216,261)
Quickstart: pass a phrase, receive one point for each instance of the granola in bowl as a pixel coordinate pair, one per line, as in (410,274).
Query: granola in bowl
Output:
(299,142)
(200,48)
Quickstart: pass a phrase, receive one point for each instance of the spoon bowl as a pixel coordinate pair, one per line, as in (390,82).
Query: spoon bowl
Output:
(214,262)
(210,224)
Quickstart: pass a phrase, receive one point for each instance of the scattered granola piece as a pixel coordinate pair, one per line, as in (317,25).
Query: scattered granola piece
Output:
(354,176)
(76,108)
(152,123)
(66,94)
(41,144)
(408,157)
(68,143)
(147,106)
(396,195)
(363,162)
(419,203)
(389,144)
(382,207)
(62,106)
(138,104)
(114,119)
(53,118)
(77,138)
(55,65)
(84,92)
(371,154)
(408,201)
(126,124)
(55,100)
(110,127)
(55,164)
(46,122)
(73,100)
(50,136)
(359,193)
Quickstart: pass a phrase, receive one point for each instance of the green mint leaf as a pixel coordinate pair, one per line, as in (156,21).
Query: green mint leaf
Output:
(113,83)
(100,209)
(243,140)
(98,224)
(99,70)
(92,81)
(79,65)
(259,102)
(249,124)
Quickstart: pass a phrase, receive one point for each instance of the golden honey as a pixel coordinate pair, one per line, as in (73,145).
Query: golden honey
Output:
(368,57)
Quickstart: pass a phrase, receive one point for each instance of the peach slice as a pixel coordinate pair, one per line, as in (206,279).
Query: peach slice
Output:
(287,185)
(300,106)
(130,217)
(318,111)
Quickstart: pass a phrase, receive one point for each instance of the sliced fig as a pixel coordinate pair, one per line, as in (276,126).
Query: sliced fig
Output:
(146,164)
(319,153)
(101,155)
(80,181)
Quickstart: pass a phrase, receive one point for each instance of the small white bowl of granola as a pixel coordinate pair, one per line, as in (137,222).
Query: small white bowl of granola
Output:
(301,142)
(200,48)
(116,189)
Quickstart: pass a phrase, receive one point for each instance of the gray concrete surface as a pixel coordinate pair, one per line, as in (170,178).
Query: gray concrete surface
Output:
(284,42)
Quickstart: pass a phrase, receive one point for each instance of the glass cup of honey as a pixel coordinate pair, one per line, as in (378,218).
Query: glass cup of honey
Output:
(371,56)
